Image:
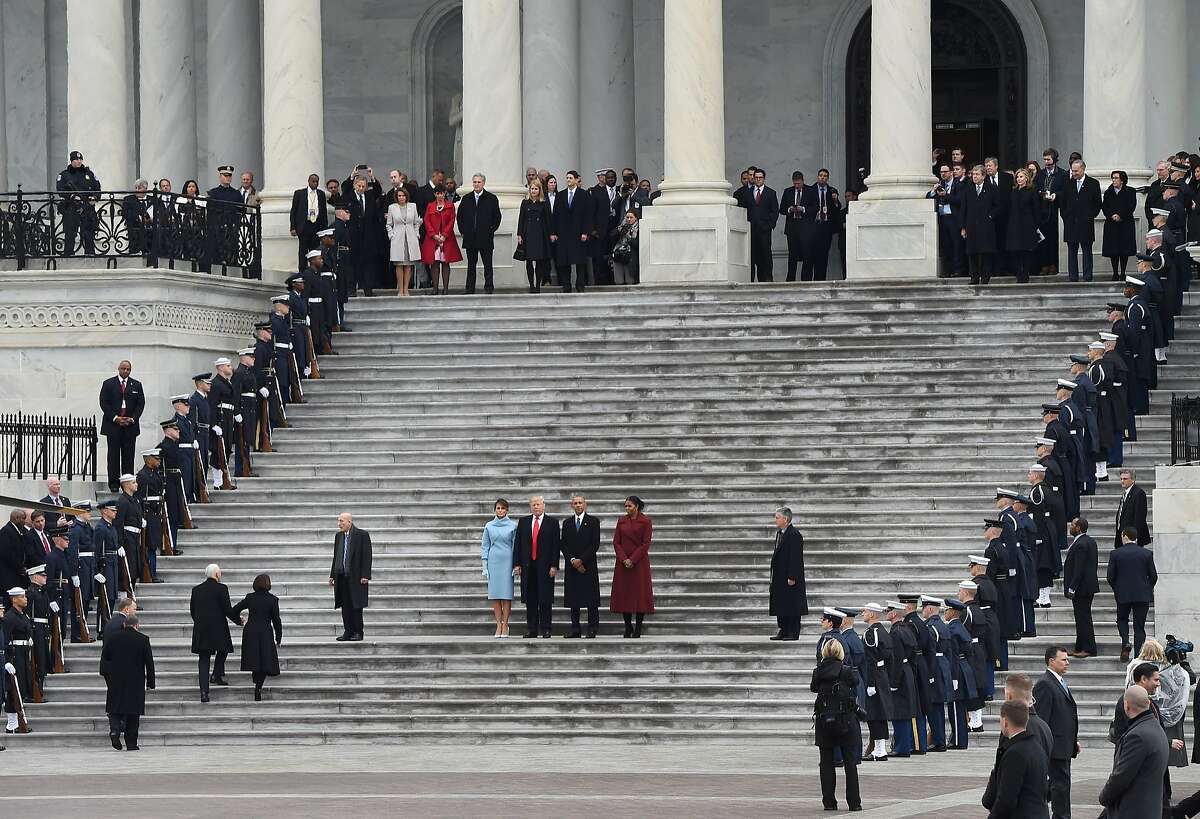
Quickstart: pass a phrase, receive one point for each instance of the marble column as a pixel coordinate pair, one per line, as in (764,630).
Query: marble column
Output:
(98,89)
(492,98)
(550,47)
(3,113)
(891,231)
(293,119)
(234,104)
(167,92)
(1167,103)
(694,232)
(606,87)
(25,46)
(1114,90)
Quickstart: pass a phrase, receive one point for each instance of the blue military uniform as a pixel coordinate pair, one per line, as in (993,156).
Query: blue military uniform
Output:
(81,552)
(963,676)
(942,665)
(224,215)
(200,415)
(906,698)
(107,542)
(60,568)
(298,318)
(151,493)
(187,447)
(281,336)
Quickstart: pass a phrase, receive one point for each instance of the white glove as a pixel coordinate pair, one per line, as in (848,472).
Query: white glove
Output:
(217,430)
(263,391)
(238,418)
(955,684)
(10,668)
(308,321)
(870,690)
(54,607)
(144,522)
(931,680)
(120,551)
(75,580)
(1012,572)
(307,372)
(485,573)
(99,578)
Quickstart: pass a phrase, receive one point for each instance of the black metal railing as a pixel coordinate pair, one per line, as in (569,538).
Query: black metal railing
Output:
(1185,429)
(39,446)
(207,235)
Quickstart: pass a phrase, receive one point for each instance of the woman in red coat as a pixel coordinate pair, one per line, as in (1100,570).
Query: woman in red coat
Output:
(440,248)
(632,591)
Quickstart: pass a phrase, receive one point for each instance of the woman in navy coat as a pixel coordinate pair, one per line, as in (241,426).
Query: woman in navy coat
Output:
(262,633)
(1120,239)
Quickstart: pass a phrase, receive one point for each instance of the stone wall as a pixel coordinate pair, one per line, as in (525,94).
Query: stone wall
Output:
(63,332)
(1176,544)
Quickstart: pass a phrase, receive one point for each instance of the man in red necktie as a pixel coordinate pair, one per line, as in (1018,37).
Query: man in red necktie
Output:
(121,403)
(535,557)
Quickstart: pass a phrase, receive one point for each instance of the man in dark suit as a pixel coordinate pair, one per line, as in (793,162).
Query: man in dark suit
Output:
(941,194)
(121,403)
(745,190)
(1056,705)
(37,543)
(1132,509)
(12,553)
(209,608)
(364,214)
(1132,577)
(762,212)
(55,497)
(350,575)
(829,220)
(478,221)
(581,581)
(308,216)
(126,607)
(605,202)
(1049,182)
(1078,203)
(977,225)
(1002,184)
(127,665)
(535,558)
(573,215)
(1135,786)
(1080,585)
(797,206)
(1017,786)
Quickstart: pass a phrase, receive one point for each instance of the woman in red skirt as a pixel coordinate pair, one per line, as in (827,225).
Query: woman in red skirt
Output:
(632,590)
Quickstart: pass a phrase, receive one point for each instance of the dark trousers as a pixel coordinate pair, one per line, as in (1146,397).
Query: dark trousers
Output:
(153,541)
(796,245)
(564,276)
(1060,788)
(76,221)
(593,619)
(816,257)
(761,263)
(789,626)
(538,273)
(960,253)
(218,668)
(1073,251)
(829,776)
(1119,264)
(537,591)
(877,729)
(602,272)
(946,233)
(306,239)
(127,724)
(1139,624)
(352,617)
(120,454)
(980,267)
(1023,264)
(473,256)
(1085,631)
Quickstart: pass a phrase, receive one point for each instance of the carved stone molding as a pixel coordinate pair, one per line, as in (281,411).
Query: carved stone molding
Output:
(167,316)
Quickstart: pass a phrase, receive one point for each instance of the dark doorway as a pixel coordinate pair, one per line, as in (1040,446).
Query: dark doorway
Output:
(979,85)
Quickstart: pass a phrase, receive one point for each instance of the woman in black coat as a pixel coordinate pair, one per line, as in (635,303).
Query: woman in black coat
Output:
(1021,232)
(1120,237)
(533,237)
(262,633)
(835,714)
(789,598)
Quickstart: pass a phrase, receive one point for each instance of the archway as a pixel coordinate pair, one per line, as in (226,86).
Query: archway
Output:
(980,84)
(436,86)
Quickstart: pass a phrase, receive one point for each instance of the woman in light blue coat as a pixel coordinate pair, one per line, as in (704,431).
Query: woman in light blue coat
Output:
(497,554)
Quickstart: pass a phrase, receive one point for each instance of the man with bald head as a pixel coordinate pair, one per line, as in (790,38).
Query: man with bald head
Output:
(55,496)
(350,575)
(121,403)
(1135,786)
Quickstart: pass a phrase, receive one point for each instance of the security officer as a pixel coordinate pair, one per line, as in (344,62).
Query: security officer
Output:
(128,524)
(245,399)
(224,216)
(878,672)
(81,560)
(107,541)
(186,444)
(222,404)
(176,463)
(200,415)
(150,494)
(78,210)
(281,334)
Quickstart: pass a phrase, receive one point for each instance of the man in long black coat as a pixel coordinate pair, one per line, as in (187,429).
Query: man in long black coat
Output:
(1078,203)
(122,400)
(535,558)
(127,665)
(580,541)
(210,609)
(789,598)
(978,224)
(478,220)
(350,575)
(1080,585)
(1056,706)
(571,232)
(1132,509)
(877,674)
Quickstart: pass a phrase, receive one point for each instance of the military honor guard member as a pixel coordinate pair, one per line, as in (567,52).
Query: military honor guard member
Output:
(878,673)
(107,541)
(151,494)
(905,698)
(966,693)
(200,415)
(988,596)
(128,524)
(942,664)
(176,465)
(281,335)
(245,398)
(222,407)
(186,444)
(982,662)
(17,631)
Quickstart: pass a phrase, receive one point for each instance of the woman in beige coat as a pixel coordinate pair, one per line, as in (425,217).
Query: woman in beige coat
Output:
(403,221)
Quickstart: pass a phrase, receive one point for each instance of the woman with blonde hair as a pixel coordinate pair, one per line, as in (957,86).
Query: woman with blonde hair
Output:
(533,236)
(1152,652)
(403,222)
(835,717)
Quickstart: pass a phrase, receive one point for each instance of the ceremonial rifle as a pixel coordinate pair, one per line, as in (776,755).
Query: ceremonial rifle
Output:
(201,481)
(16,701)
(144,553)
(58,664)
(103,609)
(223,464)
(124,579)
(36,693)
(312,354)
(85,636)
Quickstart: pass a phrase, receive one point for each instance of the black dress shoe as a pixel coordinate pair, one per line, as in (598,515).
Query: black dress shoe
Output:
(591,635)
(204,696)
(218,681)
(115,739)
(901,756)
(132,748)
(937,749)
(545,635)
(344,637)
(572,635)
(778,636)
(791,638)
(528,634)
(356,638)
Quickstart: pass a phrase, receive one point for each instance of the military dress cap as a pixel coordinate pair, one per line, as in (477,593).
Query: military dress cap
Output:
(152,453)
(1049,409)
(1079,359)
(325,232)
(59,530)
(1153,233)
(968,584)
(126,478)
(894,605)
(875,607)
(246,351)
(1064,384)
(38,569)
(605,171)
(991,523)
(1037,468)
(221,360)
(86,505)
(179,399)
(850,611)
(312,254)
(202,377)
(1174,186)
(1096,345)
(16,591)
(224,169)
(832,612)
(1144,257)
(1134,281)
(1106,336)
(1006,493)
(169,424)
(1024,500)
(979,560)
(282,298)
(1050,442)
(908,598)
(1114,305)
(76,155)
(957,605)
(931,600)
(1160,211)
(107,504)
(263,325)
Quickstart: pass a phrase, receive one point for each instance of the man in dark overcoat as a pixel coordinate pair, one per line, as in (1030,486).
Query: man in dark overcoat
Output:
(350,575)
(580,541)
(210,609)
(789,598)
(535,559)
(127,665)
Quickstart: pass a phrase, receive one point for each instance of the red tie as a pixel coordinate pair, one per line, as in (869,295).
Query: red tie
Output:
(45,543)
(758,196)
(536,528)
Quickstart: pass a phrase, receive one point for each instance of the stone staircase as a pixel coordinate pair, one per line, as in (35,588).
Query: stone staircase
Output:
(883,414)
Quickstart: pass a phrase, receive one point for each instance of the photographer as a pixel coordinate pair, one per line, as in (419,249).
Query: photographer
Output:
(631,195)
(947,227)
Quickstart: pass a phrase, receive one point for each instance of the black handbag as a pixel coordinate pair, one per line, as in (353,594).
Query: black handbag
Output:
(519,253)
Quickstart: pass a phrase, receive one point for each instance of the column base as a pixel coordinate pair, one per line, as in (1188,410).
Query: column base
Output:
(278,244)
(891,239)
(694,243)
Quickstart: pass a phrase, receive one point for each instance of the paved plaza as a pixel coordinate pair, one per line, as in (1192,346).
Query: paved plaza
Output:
(609,781)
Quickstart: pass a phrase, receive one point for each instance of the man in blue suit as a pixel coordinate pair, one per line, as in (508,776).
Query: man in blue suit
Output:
(1132,576)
